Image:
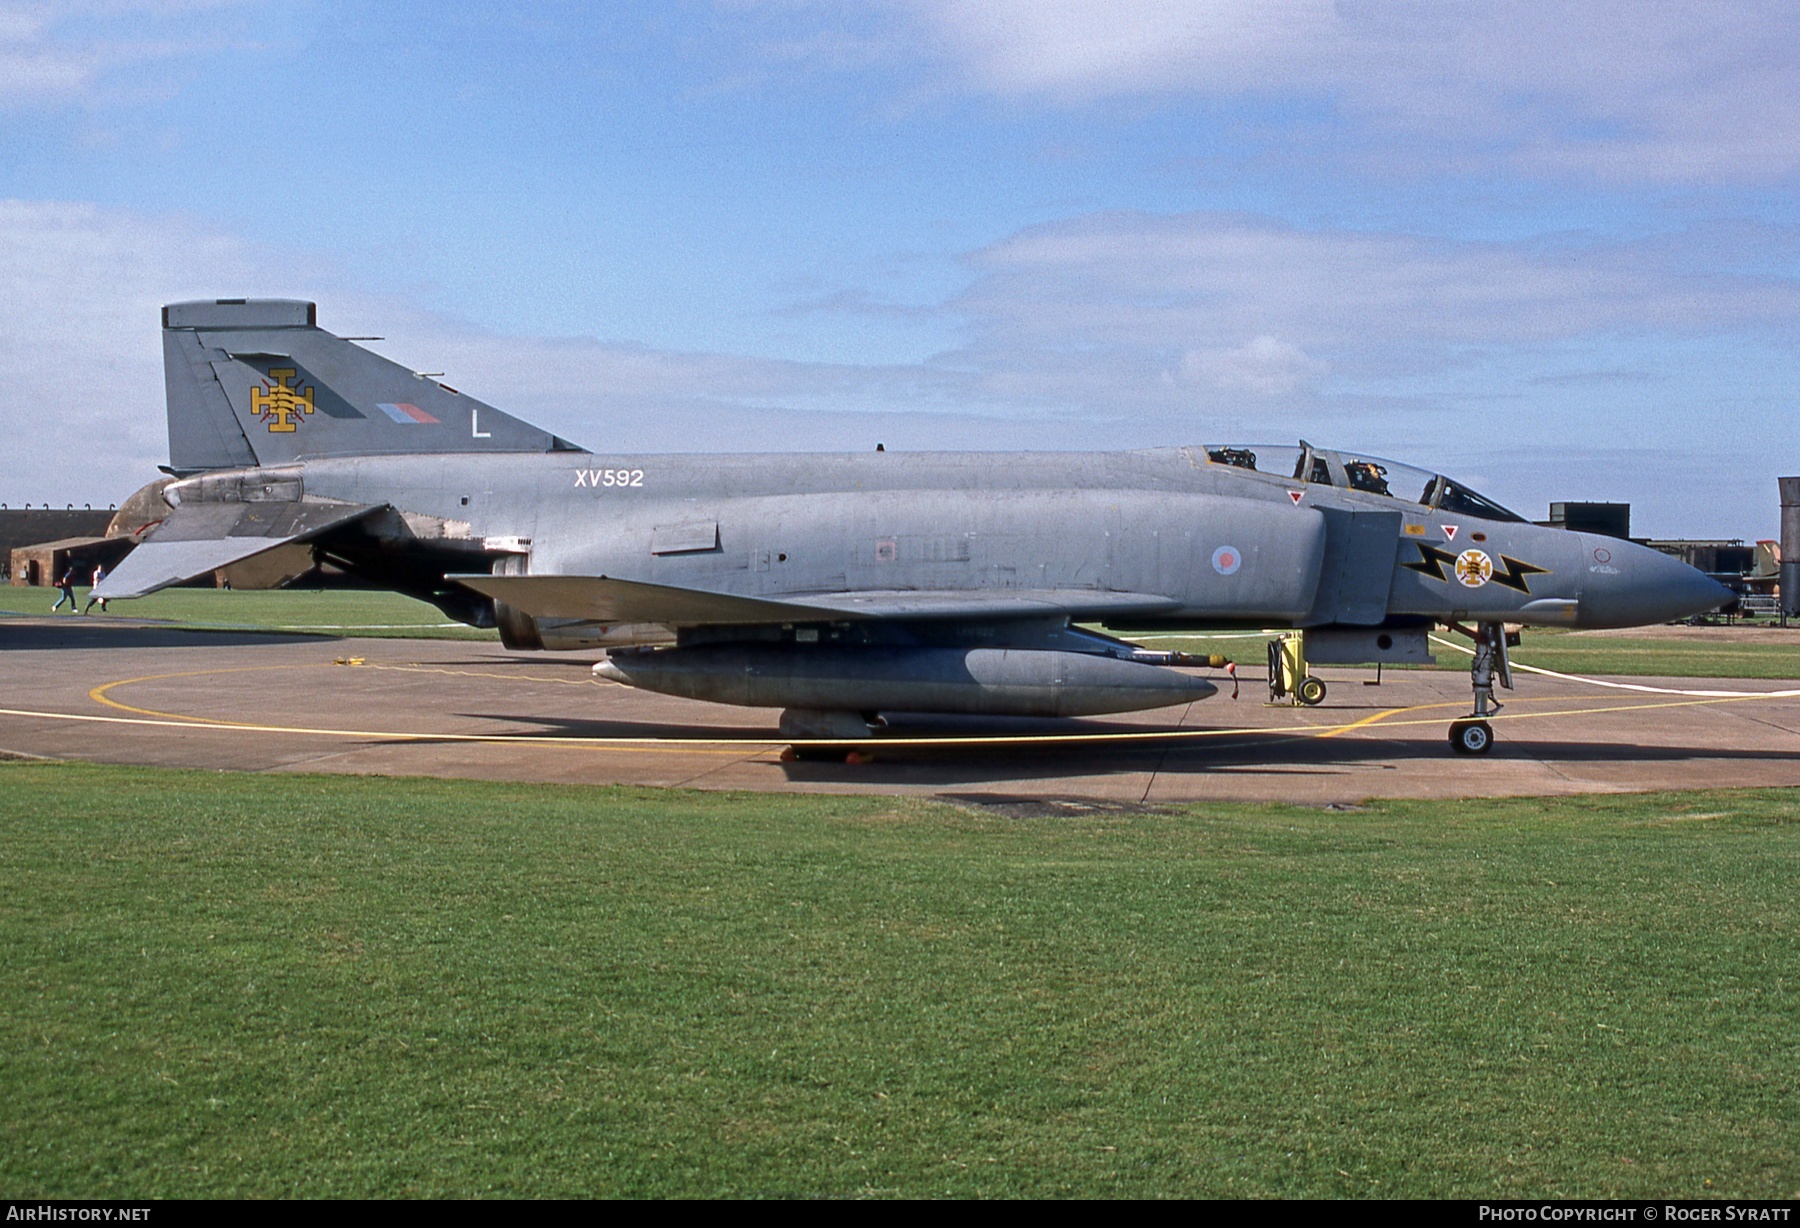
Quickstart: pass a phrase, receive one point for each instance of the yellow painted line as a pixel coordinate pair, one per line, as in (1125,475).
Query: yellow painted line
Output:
(99,694)
(1625,686)
(1388,714)
(1599,711)
(177,721)
(1393,717)
(1742,697)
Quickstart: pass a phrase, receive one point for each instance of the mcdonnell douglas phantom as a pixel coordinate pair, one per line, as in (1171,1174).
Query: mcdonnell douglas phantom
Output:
(842,587)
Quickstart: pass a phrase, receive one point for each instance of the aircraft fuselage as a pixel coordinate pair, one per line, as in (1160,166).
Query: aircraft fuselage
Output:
(1225,546)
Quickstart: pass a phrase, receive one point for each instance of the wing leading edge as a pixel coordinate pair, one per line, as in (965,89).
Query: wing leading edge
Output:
(607,600)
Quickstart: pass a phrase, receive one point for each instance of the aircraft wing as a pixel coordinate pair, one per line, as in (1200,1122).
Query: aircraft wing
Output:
(986,603)
(606,600)
(203,537)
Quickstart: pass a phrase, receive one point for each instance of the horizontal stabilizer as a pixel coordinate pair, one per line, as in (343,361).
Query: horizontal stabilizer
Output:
(203,537)
(605,600)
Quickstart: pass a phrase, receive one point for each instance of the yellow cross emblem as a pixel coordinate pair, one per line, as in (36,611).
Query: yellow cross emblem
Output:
(282,405)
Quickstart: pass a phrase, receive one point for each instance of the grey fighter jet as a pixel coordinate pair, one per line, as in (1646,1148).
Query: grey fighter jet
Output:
(839,588)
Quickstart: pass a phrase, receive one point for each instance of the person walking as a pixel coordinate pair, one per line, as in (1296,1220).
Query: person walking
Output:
(67,585)
(99,575)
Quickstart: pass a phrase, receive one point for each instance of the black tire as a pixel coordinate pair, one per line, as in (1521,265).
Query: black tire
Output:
(1471,737)
(1312,691)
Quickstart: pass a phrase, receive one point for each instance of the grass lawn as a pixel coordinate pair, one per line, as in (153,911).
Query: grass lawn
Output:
(1567,652)
(1574,653)
(321,611)
(219,984)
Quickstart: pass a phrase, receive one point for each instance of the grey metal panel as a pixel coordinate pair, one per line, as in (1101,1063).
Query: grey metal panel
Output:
(1358,569)
(240,313)
(1398,646)
(198,522)
(204,433)
(209,521)
(684,538)
(341,377)
(156,565)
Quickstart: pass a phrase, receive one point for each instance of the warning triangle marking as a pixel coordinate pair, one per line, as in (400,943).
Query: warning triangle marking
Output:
(1449,531)
(1296,495)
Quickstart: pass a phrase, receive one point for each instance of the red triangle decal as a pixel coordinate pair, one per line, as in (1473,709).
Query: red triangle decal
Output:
(1449,531)
(1296,495)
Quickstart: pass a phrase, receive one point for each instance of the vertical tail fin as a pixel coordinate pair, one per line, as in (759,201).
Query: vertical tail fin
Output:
(258,382)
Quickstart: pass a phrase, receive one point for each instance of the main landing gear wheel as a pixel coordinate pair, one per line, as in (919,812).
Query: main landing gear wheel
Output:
(1312,691)
(1471,737)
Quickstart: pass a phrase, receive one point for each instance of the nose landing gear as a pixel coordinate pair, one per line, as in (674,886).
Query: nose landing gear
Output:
(1472,735)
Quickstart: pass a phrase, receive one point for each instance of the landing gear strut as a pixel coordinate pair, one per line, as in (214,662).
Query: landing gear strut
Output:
(1472,735)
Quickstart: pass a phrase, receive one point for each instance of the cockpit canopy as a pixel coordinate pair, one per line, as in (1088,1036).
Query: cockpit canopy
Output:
(1369,474)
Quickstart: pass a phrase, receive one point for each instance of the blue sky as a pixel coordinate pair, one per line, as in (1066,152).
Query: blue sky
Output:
(1550,248)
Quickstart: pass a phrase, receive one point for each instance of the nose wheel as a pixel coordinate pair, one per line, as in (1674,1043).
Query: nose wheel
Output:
(1471,737)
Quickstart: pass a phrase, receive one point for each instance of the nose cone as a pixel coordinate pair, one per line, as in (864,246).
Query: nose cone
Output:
(1628,585)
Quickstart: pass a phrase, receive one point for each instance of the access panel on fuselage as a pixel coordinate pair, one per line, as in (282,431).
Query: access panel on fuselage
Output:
(1358,571)
(1223,558)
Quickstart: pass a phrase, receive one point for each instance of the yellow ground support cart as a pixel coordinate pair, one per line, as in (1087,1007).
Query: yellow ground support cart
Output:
(1289,683)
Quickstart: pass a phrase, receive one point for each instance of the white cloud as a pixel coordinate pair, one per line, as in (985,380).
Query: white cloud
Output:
(68,51)
(1628,89)
(1265,365)
(1082,49)
(1360,304)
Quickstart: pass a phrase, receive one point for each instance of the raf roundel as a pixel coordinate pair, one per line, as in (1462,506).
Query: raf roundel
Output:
(1226,560)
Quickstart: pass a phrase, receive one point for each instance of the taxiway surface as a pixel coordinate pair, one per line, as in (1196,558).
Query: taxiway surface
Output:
(116,692)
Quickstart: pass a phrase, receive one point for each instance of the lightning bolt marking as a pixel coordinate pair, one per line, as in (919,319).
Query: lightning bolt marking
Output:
(1430,562)
(1516,571)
